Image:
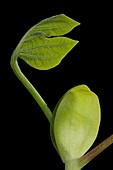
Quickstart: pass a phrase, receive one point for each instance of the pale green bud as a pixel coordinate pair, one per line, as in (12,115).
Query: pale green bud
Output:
(76,122)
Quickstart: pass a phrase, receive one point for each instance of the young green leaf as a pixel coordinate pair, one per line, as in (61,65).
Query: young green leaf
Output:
(76,122)
(41,51)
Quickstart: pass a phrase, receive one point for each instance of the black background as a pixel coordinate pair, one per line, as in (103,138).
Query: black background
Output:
(25,135)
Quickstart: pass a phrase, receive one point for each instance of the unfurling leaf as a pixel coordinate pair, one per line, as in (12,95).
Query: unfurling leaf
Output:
(76,122)
(43,46)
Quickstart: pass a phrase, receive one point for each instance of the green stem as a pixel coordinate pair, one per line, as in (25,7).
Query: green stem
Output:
(72,165)
(30,88)
(94,152)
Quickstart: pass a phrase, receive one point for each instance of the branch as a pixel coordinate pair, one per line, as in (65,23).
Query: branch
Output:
(94,152)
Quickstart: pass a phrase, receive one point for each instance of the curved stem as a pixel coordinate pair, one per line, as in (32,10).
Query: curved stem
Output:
(94,152)
(30,88)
